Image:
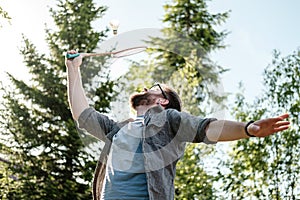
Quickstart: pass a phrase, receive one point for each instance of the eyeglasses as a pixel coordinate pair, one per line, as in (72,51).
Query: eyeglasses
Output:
(157,87)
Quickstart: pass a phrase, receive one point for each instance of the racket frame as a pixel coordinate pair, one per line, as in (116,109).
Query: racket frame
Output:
(113,53)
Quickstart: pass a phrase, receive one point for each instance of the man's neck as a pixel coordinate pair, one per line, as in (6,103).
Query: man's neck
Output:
(141,110)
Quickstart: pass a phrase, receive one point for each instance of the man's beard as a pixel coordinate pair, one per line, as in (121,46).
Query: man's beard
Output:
(140,99)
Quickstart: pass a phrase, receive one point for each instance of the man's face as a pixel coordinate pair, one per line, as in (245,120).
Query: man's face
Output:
(146,98)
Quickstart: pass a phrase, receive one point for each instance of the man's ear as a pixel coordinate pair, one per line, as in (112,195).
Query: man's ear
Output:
(164,102)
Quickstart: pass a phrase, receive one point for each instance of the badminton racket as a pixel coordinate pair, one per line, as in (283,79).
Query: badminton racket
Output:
(114,54)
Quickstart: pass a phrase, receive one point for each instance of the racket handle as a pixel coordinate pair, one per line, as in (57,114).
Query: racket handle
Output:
(70,56)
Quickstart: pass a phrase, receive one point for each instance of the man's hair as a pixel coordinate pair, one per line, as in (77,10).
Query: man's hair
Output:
(173,97)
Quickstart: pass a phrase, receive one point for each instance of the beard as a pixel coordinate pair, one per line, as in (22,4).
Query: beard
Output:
(140,99)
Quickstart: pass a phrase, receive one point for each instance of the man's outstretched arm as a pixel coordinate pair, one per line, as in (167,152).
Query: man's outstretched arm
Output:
(223,130)
(76,96)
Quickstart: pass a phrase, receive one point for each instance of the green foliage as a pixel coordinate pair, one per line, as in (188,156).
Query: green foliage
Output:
(191,181)
(194,19)
(4,15)
(269,168)
(180,58)
(76,31)
(39,139)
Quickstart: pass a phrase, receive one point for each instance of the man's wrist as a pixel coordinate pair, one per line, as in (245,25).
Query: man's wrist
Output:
(246,129)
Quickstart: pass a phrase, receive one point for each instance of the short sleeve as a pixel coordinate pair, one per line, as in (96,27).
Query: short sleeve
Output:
(189,128)
(95,123)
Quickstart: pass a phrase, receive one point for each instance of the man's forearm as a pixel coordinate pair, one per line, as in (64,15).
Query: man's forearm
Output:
(76,95)
(224,130)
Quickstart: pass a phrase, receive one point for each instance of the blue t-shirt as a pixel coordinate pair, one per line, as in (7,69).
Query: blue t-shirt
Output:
(125,173)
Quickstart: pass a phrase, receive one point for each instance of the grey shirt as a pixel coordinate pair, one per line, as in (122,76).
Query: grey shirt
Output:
(165,133)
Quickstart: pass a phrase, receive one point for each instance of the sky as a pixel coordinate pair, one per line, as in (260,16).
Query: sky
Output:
(255,29)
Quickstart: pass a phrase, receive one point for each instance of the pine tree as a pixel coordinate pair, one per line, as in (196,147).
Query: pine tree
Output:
(40,142)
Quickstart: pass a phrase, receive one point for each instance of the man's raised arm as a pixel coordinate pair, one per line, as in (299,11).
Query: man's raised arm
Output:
(223,130)
(77,99)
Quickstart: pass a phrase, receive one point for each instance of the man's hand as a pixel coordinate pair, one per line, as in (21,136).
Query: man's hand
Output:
(269,126)
(74,62)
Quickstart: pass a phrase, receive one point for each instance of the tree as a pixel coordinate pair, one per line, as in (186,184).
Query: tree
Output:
(4,15)
(269,168)
(181,59)
(40,141)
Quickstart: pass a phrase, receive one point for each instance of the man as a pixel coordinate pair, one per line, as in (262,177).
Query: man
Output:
(139,158)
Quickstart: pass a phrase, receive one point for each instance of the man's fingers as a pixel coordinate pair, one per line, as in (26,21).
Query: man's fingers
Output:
(72,51)
(284,116)
(282,128)
(280,118)
(281,123)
